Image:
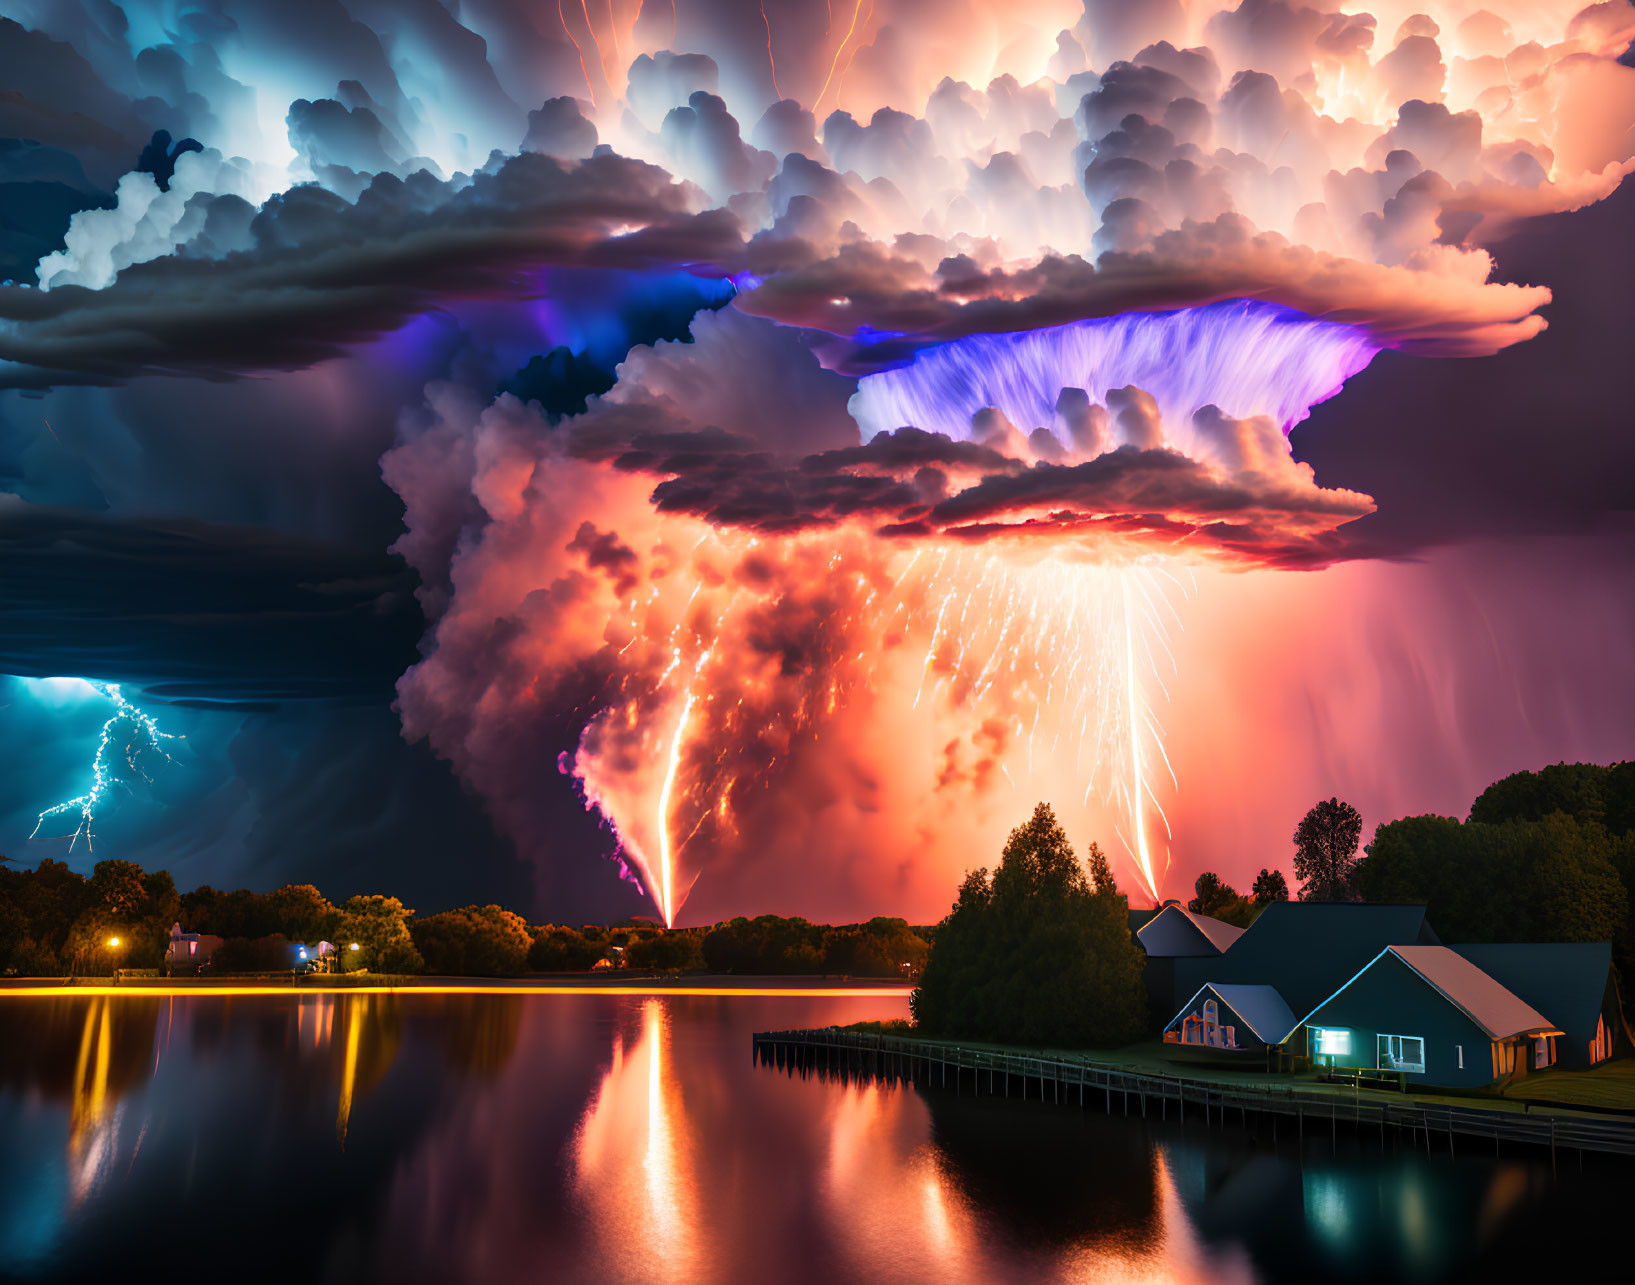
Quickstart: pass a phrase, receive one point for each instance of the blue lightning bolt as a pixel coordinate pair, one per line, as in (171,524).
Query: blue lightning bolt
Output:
(141,737)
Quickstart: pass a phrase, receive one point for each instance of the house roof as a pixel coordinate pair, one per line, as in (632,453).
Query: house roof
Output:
(1496,1010)
(1260,1008)
(1308,949)
(1175,932)
(1566,981)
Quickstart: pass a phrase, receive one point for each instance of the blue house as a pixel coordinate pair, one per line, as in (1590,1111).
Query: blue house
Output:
(1168,934)
(1232,1020)
(1431,1015)
(1571,983)
(1305,950)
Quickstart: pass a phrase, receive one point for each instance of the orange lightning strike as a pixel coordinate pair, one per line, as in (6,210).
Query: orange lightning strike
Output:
(839,49)
(583,70)
(770,62)
(1138,784)
(666,857)
(601,59)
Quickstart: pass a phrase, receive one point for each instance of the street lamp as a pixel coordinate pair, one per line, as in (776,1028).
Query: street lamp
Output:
(113,944)
(353,946)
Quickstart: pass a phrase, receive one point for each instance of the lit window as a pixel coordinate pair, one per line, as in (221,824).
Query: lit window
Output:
(1328,1042)
(192,948)
(1541,1052)
(1401,1053)
(1460,1050)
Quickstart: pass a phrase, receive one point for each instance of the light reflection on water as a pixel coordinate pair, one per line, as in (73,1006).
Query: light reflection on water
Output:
(483,1138)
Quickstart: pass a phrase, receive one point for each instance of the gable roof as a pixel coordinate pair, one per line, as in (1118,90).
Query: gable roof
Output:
(1260,1008)
(1177,932)
(1500,1014)
(1566,981)
(1308,949)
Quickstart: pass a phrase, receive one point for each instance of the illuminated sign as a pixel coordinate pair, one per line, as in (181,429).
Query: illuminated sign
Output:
(1327,1042)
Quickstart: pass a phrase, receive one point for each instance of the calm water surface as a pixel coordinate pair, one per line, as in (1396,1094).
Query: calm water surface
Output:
(604,1138)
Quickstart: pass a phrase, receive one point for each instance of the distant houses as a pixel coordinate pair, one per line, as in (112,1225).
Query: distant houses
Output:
(1370,990)
(187,952)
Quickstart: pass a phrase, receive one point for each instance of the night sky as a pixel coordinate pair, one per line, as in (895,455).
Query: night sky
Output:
(717,458)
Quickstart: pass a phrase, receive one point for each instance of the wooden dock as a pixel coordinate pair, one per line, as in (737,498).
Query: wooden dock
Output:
(1084,1083)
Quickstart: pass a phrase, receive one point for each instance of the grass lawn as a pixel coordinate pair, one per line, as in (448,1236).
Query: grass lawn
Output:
(1612,1084)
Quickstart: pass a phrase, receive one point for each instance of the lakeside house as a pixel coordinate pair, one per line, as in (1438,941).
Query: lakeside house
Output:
(1381,994)
(1428,1012)
(185,951)
(1232,1019)
(1571,983)
(1173,932)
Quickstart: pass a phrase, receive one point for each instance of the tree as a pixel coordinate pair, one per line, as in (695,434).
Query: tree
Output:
(675,950)
(1555,879)
(1100,872)
(1221,901)
(1031,955)
(380,927)
(767,944)
(880,948)
(476,941)
(1325,849)
(1269,886)
(302,913)
(562,950)
(1210,894)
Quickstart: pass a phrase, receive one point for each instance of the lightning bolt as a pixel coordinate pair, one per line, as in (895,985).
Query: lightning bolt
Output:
(142,736)
(770,62)
(839,49)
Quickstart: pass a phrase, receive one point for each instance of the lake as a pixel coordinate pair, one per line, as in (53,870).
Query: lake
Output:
(495,1138)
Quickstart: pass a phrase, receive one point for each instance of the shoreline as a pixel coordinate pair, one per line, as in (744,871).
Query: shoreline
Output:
(693,984)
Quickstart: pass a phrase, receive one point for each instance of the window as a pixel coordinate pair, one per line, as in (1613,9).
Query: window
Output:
(1401,1053)
(1460,1050)
(1541,1052)
(1328,1042)
(192,948)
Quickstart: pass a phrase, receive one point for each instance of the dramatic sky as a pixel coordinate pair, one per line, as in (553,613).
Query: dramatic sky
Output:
(701,457)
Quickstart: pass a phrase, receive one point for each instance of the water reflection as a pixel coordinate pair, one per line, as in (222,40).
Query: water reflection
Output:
(476,1138)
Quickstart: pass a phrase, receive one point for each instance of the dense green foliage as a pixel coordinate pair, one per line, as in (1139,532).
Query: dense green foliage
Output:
(1586,792)
(269,954)
(475,941)
(1034,954)
(773,945)
(564,950)
(678,950)
(54,921)
(380,928)
(1325,850)
(1545,856)
(1269,886)
(1220,900)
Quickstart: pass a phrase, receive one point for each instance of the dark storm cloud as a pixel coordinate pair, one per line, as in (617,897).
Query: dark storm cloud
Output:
(1534,440)
(883,304)
(200,613)
(324,274)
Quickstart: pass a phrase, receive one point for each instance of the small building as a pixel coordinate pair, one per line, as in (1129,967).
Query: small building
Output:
(1305,950)
(1571,983)
(1231,1019)
(1431,1016)
(1167,934)
(186,951)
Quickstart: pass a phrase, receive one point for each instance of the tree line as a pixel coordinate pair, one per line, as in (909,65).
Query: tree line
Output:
(56,922)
